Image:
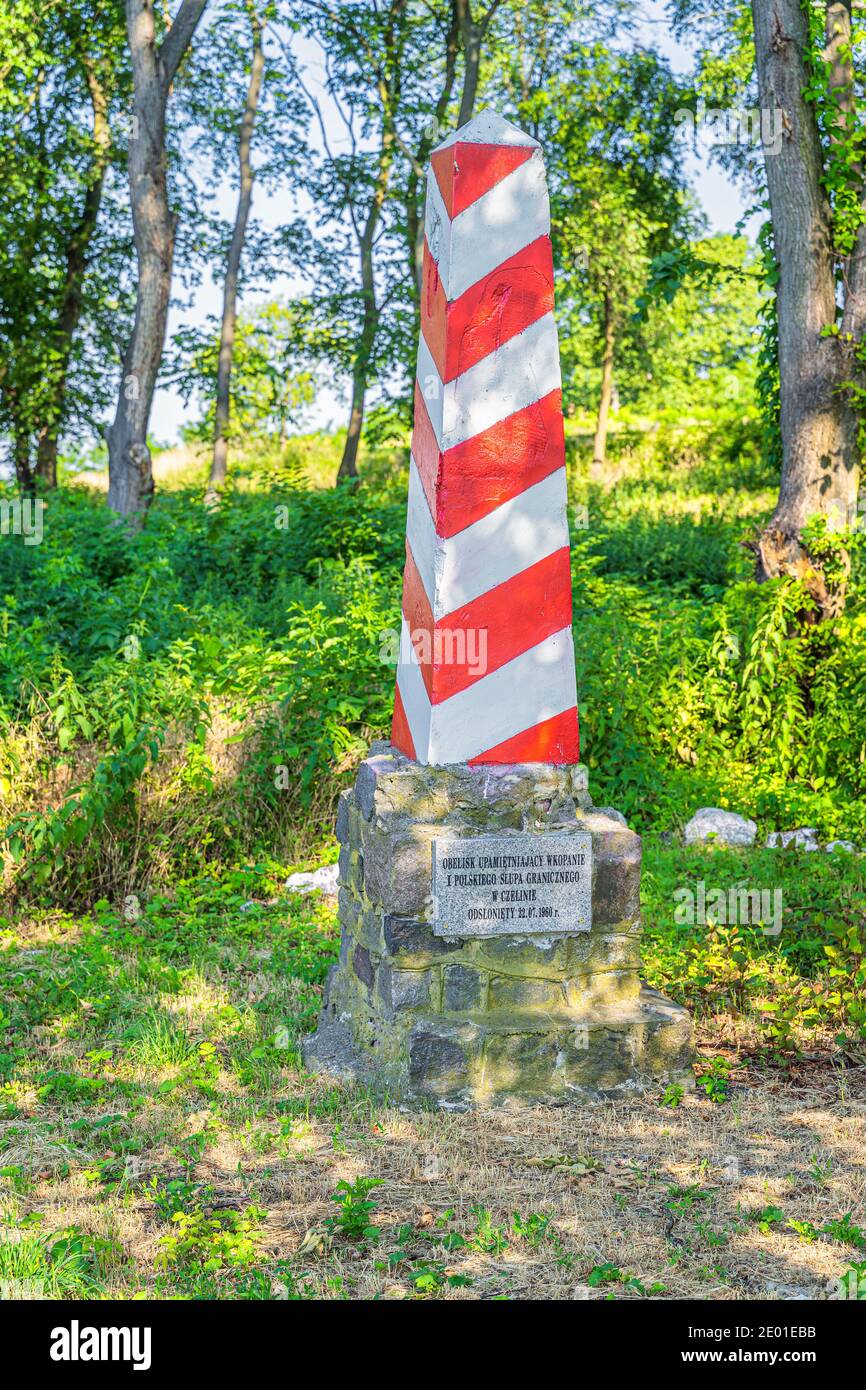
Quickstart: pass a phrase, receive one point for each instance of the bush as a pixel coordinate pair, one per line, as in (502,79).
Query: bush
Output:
(201,690)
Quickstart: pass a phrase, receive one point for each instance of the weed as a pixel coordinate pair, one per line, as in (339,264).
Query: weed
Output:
(767,1218)
(223,1239)
(715,1081)
(352,1221)
(487,1238)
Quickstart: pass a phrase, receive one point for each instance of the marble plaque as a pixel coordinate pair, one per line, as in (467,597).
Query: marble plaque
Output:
(511,885)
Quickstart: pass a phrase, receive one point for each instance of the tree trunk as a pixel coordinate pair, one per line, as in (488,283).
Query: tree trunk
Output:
(230,291)
(841,74)
(69,311)
(599,447)
(820,457)
(46,454)
(416,183)
(349,462)
(471,35)
(348,469)
(24,475)
(130,475)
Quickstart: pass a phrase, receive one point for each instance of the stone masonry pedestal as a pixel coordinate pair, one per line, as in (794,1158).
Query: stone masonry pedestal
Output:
(503,1020)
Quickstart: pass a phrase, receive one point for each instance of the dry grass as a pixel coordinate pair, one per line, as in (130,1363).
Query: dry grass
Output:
(110,1098)
(662,1195)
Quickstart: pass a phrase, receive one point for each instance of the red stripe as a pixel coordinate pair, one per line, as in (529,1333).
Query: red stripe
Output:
(555,740)
(465,171)
(425,451)
(401,735)
(470,643)
(419,616)
(514,616)
(490,312)
(474,478)
(500,463)
(434,311)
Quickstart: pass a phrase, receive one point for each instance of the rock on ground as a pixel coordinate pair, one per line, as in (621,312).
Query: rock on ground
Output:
(804,838)
(323,879)
(725,827)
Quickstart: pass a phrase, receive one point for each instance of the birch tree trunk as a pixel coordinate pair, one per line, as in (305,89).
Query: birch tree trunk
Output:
(230,290)
(370,317)
(130,474)
(599,448)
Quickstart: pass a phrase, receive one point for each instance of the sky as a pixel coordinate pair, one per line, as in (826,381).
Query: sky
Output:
(721,200)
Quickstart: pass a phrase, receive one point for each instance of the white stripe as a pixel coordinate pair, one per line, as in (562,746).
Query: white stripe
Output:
(513,376)
(520,372)
(510,215)
(519,533)
(430,386)
(413,693)
(437,229)
(537,685)
(426,546)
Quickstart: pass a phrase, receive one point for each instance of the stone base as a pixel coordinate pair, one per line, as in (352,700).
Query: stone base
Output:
(504,1020)
(517,1059)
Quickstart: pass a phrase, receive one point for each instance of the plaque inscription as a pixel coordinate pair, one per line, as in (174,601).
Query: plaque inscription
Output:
(511,885)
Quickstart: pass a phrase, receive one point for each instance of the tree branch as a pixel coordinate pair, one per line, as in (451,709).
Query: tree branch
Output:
(485,19)
(179,38)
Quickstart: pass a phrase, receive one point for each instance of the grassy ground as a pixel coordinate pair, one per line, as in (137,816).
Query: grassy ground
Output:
(159,1136)
(189,699)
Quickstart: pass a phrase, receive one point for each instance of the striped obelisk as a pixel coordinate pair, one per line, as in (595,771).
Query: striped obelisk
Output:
(486,671)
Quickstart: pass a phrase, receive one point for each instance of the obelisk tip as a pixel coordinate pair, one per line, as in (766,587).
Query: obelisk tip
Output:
(488,128)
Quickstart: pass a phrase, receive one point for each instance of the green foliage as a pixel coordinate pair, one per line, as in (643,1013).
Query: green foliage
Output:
(356,1206)
(64,232)
(270,383)
(69,1263)
(175,1196)
(413,1258)
(841,122)
(696,685)
(205,686)
(852,1284)
(845,1231)
(533,1229)
(211,1242)
(487,1236)
(765,1218)
(266,616)
(714,1081)
(693,346)
(807,982)
(607,1273)
(617,197)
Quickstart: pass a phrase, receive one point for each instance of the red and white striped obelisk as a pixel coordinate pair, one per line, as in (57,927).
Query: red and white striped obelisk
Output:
(486,670)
